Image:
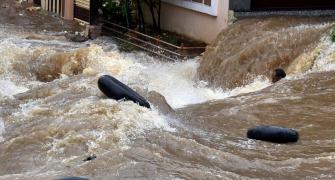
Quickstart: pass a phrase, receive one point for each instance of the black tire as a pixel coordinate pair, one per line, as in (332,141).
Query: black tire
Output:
(273,134)
(115,89)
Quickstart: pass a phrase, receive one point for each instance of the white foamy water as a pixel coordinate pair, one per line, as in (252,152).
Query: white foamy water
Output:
(118,122)
(176,81)
(325,61)
(2,130)
(259,83)
(121,122)
(321,59)
(8,88)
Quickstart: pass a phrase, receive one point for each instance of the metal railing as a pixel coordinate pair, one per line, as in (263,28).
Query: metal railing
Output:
(150,44)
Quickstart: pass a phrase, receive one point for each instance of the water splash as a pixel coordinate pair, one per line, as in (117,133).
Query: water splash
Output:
(325,61)
(259,83)
(8,88)
(320,59)
(257,46)
(2,130)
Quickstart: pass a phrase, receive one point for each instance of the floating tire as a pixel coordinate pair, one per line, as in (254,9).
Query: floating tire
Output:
(273,134)
(115,89)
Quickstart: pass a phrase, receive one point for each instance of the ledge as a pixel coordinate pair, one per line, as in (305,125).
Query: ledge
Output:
(210,10)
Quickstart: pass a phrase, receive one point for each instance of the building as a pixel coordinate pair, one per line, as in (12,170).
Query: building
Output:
(199,19)
(205,19)
(266,5)
(82,10)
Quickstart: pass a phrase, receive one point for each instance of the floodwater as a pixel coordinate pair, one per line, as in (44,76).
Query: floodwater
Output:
(53,116)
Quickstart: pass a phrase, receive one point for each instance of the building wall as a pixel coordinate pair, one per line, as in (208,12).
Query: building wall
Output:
(204,26)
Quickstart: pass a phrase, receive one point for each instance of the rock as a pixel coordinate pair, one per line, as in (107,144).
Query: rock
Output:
(93,31)
(160,102)
(157,99)
(76,37)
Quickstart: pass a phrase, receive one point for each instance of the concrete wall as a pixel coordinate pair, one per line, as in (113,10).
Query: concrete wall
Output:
(191,23)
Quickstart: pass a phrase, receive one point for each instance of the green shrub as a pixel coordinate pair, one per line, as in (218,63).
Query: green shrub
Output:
(117,11)
(332,33)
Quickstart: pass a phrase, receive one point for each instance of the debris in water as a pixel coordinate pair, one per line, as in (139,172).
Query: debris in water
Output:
(115,89)
(33,8)
(90,158)
(4,6)
(76,37)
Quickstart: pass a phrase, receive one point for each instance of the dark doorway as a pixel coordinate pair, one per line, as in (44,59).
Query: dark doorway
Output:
(37,2)
(87,11)
(291,4)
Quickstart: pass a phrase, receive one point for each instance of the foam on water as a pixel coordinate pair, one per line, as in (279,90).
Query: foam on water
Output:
(321,59)
(176,81)
(326,58)
(121,121)
(179,83)
(2,130)
(65,118)
(259,83)
(8,88)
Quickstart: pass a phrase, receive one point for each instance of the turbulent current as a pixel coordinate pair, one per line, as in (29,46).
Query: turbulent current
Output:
(53,116)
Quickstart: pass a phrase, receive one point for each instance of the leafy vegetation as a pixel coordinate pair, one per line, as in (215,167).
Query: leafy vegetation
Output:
(117,11)
(130,12)
(332,34)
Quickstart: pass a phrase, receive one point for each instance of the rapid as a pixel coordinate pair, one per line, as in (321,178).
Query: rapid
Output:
(53,116)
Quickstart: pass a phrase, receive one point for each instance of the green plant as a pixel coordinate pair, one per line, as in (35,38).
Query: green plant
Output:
(332,33)
(117,11)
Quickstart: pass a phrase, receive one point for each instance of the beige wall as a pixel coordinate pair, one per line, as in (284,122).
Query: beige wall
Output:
(191,23)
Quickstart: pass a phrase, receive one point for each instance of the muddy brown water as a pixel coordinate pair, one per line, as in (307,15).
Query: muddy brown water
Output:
(257,46)
(52,115)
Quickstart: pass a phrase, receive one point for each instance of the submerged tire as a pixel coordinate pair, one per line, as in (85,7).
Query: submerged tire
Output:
(273,134)
(115,89)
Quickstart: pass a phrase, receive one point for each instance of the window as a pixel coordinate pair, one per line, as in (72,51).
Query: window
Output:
(205,6)
(206,2)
